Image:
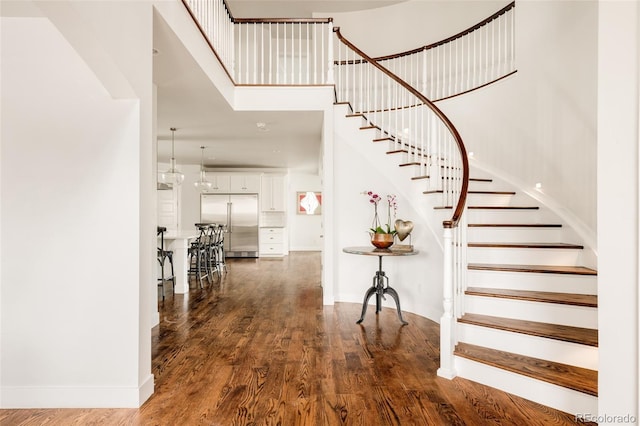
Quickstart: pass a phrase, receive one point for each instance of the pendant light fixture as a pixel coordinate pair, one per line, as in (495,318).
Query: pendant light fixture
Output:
(173,175)
(203,184)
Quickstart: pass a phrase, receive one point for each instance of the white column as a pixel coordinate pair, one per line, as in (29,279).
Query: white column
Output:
(447,321)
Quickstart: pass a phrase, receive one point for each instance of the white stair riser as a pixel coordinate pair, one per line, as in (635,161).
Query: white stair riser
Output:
(538,347)
(511,235)
(490,200)
(554,313)
(544,393)
(524,256)
(507,216)
(564,283)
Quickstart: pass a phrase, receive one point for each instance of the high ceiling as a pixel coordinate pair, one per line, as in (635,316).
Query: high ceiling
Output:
(188,101)
(299,8)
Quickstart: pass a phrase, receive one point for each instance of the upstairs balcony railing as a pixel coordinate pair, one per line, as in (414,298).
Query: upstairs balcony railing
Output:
(266,51)
(300,51)
(469,60)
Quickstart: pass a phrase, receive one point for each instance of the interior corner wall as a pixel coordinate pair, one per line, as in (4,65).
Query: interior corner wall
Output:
(618,212)
(71,234)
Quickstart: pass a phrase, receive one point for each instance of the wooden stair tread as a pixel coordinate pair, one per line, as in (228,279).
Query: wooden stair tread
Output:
(494,207)
(529,245)
(547,269)
(514,225)
(368,127)
(565,333)
(382,139)
(355,115)
(587,300)
(568,376)
(420,177)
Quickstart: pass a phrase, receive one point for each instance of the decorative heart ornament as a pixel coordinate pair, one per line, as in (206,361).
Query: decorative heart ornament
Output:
(403,228)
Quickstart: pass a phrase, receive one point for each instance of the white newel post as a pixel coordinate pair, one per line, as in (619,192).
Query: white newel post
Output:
(330,54)
(447,321)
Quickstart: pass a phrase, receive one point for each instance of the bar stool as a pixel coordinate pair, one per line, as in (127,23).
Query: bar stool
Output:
(198,256)
(163,257)
(211,248)
(221,266)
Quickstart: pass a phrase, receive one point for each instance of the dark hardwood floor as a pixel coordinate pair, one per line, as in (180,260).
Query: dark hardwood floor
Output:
(259,348)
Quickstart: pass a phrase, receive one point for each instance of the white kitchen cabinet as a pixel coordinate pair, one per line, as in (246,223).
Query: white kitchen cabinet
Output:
(219,183)
(245,183)
(272,193)
(271,242)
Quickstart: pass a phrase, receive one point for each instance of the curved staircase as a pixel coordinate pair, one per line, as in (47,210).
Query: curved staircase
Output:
(530,318)
(529,322)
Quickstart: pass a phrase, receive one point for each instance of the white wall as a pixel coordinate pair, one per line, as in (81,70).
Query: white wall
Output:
(72,240)
(305,231)
(618,209)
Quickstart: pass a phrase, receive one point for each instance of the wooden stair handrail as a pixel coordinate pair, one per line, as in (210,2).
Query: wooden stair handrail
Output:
(281,20)
(453,37)
(457,214)
(272,20)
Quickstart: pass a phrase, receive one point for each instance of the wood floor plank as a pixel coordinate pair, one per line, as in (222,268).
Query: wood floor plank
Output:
(259,348)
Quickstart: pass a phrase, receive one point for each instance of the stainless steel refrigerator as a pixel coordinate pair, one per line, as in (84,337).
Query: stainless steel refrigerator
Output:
(239,212)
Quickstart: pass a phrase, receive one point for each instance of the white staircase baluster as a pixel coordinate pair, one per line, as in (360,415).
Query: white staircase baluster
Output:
(262,61)
(270,75)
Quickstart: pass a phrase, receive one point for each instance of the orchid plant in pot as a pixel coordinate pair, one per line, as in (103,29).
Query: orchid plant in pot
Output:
(382,236)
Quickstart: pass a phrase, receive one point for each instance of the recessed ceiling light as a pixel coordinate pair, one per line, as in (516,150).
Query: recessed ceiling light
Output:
(262,126)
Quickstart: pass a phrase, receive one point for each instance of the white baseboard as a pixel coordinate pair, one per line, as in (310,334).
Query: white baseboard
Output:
(17,397)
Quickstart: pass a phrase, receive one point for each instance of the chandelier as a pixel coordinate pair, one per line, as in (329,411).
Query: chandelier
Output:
(203,184)
(173,175)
